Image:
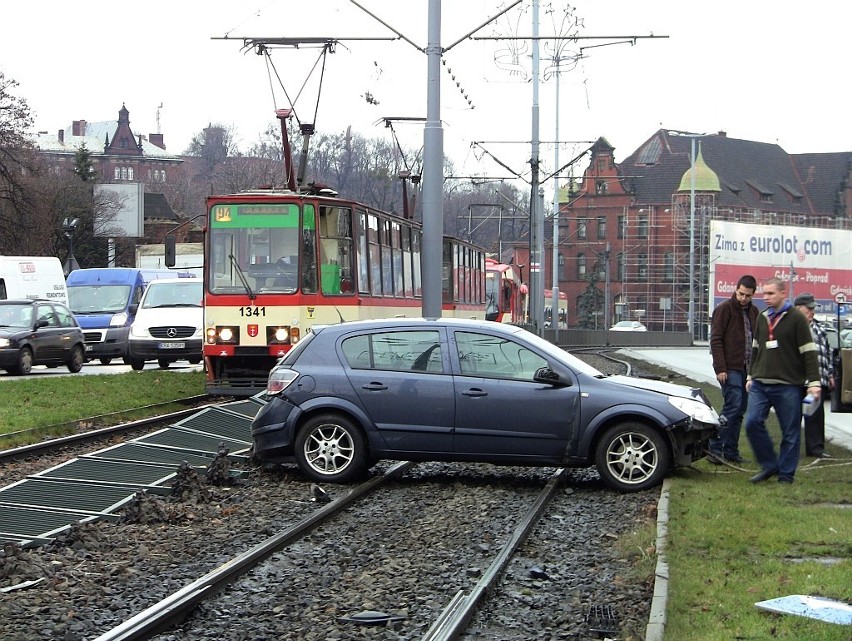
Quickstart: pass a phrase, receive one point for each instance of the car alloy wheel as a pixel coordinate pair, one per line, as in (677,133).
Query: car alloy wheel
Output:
(78,357)
(25,362)
(631,457)
(331,448)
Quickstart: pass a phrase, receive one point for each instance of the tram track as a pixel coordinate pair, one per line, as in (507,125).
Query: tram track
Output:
(192,536)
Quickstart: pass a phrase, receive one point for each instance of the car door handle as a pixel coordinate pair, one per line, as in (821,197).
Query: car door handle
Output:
(475,392)
(374,387)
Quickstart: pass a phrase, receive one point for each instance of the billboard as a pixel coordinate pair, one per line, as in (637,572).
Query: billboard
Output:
(812,260)
(120,209)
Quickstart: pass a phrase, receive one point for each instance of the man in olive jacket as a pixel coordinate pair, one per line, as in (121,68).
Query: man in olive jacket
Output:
(731,331)
(784,356)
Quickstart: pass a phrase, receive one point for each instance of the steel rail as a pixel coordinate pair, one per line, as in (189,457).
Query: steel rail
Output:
(177,606)
(458,614)
(82,437)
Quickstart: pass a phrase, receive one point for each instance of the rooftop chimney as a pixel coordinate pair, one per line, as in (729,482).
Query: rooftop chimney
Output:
(722,134)
(61,136)
(78,128)
(156,139)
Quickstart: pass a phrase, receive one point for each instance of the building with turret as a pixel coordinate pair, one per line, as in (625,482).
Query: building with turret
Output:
(633,237)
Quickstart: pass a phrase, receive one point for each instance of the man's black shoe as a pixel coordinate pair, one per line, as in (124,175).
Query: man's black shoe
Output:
(763,475)
(824,455)
(735,459)
(785,479)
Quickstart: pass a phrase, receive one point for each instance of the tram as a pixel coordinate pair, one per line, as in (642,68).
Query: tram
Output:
(505,293)
(280,260)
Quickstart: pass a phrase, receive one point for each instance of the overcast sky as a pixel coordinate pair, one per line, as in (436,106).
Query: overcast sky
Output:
(766,70)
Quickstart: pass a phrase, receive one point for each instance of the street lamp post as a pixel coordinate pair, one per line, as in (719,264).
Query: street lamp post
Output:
(69,226)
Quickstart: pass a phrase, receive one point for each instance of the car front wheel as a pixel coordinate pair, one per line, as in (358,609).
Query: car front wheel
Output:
(25,363)
(331,448)
(631,457)
(137,364)
(78,357)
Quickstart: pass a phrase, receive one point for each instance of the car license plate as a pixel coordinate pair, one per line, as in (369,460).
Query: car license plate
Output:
(171,345)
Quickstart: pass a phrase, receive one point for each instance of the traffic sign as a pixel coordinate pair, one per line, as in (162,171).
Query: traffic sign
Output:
(840,298)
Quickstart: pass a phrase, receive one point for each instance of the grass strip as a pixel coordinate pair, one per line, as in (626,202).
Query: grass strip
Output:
(34,403)
(732,543)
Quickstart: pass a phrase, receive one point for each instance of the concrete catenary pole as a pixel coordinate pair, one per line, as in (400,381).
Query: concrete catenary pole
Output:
(433,171)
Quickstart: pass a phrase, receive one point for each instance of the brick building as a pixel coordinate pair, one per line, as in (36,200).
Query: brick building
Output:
(119,156)
(624,228)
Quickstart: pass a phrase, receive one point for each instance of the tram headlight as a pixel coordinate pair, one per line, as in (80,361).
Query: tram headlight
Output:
(222,335)
(277,335)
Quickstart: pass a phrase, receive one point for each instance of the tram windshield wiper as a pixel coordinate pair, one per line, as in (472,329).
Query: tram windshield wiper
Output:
(242,276)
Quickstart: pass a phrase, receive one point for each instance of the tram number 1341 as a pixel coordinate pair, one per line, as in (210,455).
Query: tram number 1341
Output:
(250,310)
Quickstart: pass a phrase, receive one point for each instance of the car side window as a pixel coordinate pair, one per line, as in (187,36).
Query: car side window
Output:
(45,313)
(397,351)
(64,317)
(496,357)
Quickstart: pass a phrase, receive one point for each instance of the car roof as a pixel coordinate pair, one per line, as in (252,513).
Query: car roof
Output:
(418,323)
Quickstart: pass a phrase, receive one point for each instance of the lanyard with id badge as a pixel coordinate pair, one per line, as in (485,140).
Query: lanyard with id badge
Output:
(772,343)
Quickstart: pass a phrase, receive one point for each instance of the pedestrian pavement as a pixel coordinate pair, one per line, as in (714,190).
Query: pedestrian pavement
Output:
(696,363)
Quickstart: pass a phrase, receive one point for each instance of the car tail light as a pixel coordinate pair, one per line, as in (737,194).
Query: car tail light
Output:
(279,380)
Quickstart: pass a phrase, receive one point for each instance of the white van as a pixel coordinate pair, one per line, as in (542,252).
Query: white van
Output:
(32,277)
(169,323)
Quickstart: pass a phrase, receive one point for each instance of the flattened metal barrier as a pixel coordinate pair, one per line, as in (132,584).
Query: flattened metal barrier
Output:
(97,485)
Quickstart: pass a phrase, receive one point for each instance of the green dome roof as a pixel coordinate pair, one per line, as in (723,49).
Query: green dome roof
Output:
(705,178)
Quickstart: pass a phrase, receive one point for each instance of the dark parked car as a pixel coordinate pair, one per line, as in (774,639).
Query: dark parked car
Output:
(39,332)
(348,395)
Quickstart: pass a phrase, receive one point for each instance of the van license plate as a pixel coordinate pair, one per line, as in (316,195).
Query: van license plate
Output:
(171,345)
(89,348)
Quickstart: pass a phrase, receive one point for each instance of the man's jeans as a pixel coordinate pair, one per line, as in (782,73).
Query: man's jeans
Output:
(736,400)
(787,401)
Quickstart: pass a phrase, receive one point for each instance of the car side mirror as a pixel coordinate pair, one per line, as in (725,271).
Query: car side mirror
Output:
(547,375)
(133,308)
(42,322)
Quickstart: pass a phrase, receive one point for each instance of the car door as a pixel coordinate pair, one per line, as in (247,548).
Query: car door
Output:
(402,380)
(46,340)
(500,410)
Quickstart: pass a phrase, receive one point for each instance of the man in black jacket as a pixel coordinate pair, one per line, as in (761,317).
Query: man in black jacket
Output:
(732,326)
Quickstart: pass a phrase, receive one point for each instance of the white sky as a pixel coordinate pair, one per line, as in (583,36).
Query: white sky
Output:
(765,70)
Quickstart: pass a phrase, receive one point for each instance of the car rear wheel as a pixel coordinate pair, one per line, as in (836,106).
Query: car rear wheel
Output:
(105,361)
(78,357)
(331,448)
(25,363)
(631,457)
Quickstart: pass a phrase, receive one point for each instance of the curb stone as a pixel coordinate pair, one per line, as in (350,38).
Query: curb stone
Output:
(656,627)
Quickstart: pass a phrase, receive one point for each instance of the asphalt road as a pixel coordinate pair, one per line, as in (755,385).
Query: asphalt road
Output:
(94,367)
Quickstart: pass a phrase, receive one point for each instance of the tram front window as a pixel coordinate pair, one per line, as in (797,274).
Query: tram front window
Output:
(264,258)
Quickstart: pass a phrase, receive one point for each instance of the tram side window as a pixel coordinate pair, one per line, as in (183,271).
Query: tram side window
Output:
(374,256)
(385,243)
(396,249)
(363,263)
(336,250)
(416,280)
(447,273)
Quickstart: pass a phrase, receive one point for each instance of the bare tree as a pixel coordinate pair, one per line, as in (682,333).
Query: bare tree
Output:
(16,162)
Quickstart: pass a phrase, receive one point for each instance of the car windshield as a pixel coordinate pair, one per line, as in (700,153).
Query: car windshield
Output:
(12,315)
(188,294)
(559,354)
(94,299)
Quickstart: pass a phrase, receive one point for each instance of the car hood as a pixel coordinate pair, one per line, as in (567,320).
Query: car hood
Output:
(670,389)
(13,332)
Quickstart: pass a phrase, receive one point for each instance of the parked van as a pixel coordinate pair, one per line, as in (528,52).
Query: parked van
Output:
(104,301)
(169,323)
(32,277)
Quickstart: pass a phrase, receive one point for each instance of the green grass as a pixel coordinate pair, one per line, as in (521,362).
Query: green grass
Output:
(732,543)
(35,407)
